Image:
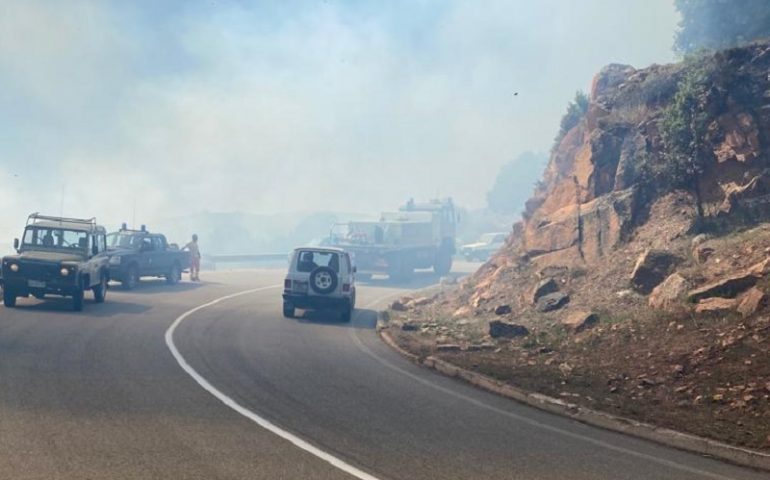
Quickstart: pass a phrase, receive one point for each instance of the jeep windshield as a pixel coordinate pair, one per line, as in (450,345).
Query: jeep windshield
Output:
(123,240)
(50,238)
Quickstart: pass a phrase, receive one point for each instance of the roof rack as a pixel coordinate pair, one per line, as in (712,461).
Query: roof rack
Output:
(36,217)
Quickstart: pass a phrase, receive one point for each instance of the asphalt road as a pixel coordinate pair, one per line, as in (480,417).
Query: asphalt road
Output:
(101,394)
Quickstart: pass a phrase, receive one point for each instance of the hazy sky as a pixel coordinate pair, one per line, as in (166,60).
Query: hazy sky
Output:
(184,106)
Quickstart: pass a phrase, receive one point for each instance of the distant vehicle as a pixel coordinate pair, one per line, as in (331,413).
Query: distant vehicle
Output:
(419,235)
(488,244)
(57,256)
(320,279)
(134,254)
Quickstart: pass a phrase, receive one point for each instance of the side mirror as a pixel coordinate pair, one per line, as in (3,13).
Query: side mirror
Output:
(15,243)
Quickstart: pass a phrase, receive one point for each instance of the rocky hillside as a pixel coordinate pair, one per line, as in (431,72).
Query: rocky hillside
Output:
(636,281)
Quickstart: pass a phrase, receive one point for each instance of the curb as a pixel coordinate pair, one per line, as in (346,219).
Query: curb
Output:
(671,438)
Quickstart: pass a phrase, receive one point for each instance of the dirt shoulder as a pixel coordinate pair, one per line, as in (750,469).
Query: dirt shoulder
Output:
(704,373)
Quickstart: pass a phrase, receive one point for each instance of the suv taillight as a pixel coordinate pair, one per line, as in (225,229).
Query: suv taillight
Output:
(287,284)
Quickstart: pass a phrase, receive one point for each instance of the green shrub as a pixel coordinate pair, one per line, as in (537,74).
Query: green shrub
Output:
(683,128)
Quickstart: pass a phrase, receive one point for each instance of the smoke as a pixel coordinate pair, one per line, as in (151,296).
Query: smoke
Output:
(166,111)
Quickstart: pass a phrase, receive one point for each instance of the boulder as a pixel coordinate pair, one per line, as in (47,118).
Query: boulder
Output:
(503,310)
(669,293)
(727,287)
(398,306)
(579,321)
(752,301)
(552,301)
(651,268)
(498,329)
(716,305)
(419,302)
(544,287)
(702,253)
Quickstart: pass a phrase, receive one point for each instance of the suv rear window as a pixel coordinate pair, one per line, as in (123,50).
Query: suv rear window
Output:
(308,260)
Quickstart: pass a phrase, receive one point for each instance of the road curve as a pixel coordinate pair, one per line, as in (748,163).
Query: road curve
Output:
(101,395)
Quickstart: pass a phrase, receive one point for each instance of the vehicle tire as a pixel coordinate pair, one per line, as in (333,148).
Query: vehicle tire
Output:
(346,315)
(77,299)
(288,310)
(100,291)
(443,263)
(323,280)
(174,275)
(9,298)
(131,279)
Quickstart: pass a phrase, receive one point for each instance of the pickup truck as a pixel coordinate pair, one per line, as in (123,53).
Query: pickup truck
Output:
(134,254)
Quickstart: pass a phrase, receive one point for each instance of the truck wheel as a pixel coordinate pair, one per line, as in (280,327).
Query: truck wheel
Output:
(173,276)
(443,263)
(288,310)
(346,315)
(131,279)
(100,291)
(9,298)
(77,299)
(401,271)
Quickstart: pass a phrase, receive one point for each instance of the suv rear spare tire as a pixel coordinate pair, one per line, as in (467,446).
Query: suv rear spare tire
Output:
(323,280)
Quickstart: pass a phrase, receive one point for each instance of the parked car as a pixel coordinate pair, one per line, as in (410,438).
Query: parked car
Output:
(134,254)
(320,279)
(57,256)
(487,244)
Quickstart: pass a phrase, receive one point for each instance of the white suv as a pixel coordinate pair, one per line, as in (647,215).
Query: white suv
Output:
(320,279)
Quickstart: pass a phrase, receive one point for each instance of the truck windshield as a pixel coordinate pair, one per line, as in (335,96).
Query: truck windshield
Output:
(123,240)
(58,238)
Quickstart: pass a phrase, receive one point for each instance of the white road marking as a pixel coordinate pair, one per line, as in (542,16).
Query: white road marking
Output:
(577,436)
(254,417)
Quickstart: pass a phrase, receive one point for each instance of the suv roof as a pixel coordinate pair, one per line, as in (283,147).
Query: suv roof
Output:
(85,225)
(320,249)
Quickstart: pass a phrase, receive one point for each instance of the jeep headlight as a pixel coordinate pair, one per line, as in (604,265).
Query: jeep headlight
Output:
(115,260)
(64,271)
(14,267)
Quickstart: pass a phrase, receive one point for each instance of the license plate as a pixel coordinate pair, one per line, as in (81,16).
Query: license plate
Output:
(36,284)
(300,287)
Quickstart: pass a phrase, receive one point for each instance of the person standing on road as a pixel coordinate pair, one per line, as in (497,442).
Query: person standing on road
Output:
(195,258)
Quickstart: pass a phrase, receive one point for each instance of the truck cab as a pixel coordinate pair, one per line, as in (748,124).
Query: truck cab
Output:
(57,256)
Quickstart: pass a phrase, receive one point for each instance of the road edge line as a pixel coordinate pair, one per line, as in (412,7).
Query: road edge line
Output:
(232,404)
(664,436)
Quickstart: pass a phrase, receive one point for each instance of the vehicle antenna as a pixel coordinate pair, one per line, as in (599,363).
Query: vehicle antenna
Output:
(61,204)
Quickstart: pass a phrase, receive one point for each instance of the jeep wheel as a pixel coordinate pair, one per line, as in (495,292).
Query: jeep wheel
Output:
(131,279)
(77,299)
(323,280)
(100,291)
(174,275)
(346,315)
(288,310)
(9,298)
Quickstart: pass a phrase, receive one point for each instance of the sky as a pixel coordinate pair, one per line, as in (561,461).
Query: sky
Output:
(154,109)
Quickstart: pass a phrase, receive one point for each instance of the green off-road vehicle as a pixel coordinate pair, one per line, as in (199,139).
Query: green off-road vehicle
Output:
(57,256)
